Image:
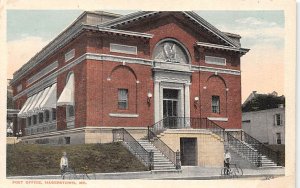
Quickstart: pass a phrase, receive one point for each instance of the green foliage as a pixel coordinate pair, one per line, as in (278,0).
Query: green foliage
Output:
(263,102)
(34,159)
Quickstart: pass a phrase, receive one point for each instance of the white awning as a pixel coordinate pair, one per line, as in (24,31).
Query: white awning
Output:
(25,106)
(67,95)
(45,99)
(37,98)
(50,99)
(30,106)
(36,108)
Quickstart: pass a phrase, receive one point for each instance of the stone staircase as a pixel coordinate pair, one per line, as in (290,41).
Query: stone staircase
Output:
(161,163)
(245,159)
(266,163)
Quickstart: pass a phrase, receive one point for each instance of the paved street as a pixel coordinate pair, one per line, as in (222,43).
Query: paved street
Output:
(188,173)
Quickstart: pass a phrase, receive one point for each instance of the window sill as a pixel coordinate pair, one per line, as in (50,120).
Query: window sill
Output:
(218,118)
(123,115)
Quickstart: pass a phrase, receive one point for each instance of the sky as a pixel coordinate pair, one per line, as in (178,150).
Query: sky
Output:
(262,68)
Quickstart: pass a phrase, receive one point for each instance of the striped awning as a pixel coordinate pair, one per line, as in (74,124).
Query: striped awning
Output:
(38,102)
(67,95)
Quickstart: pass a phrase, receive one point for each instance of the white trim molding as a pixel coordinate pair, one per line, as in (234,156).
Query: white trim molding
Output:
(121,115)
(217,46)
(214,70)
(218,118)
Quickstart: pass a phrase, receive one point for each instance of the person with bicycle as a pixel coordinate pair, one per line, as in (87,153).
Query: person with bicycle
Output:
(227,159)
(64,164)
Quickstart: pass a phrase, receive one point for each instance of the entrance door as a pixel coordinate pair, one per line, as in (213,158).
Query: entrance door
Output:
(188,151)
(170,107)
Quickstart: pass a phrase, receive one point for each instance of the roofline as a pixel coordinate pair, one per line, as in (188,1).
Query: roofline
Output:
(136,15)
(217,46)
(60,42)
(127,18)
(211,28)
(232,35)
(25,66)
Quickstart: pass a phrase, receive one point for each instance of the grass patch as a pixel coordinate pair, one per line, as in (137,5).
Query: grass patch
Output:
(34,159)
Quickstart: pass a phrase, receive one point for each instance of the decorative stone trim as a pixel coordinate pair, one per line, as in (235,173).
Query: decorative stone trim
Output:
(61,40)
(218,118)
(214,70)
(43,72)
(123,115)
(217,46)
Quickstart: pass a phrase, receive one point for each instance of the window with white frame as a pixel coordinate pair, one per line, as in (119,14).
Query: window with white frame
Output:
(70,111)
(278,119)
(215,60)
(126,49)
(215,104)
(122,99)
(278,138)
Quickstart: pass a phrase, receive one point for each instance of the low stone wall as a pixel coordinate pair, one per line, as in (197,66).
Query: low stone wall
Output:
(86,135)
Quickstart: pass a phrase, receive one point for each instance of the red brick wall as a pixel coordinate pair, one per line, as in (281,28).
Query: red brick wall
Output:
(96,96)
(102,94)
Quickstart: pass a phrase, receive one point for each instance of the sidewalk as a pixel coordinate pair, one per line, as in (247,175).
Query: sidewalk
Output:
(188,173)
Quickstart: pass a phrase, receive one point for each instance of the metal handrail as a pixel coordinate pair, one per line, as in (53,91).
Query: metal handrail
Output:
(251,154)
(123,135)
(261,148)
(164,148)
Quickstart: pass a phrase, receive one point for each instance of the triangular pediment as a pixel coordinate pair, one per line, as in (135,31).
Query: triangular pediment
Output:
(140,21)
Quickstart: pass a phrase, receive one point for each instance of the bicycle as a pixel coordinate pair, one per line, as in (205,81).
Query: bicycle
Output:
(232,172)
(70,174)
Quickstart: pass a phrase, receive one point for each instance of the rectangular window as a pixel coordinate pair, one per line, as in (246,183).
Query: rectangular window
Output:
(47,116)
(29,121)
(215,60)
(70,111)
(215,104)
(69,55)
(123,98)
(34,119)
(278,138)
(41,117)
(53,114)
(278,120)
(123,49)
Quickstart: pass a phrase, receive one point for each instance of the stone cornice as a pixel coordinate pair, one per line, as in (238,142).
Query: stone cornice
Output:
(63,39)
(222,47)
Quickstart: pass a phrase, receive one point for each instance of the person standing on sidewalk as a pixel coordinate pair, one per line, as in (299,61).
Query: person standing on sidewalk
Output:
(64,163)
(227,159)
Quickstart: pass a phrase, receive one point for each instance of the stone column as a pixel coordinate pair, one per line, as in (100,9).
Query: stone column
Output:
(156,101)
(187,103)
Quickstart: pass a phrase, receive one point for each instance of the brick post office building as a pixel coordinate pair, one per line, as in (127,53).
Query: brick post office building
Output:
(107,71)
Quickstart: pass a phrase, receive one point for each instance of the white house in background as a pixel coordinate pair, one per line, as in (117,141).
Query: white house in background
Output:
(267,126)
